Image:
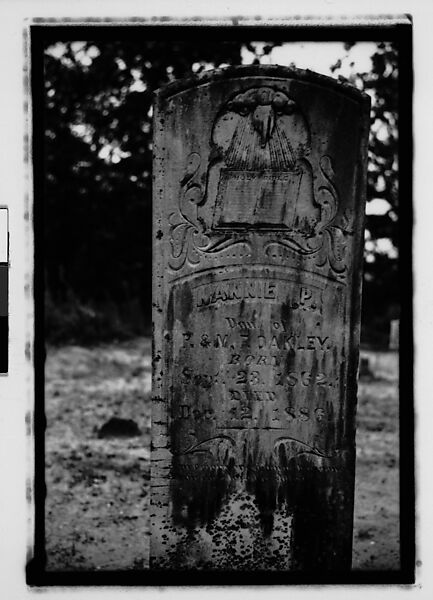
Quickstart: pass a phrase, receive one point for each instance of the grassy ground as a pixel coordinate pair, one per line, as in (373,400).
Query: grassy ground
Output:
(97,489)
(376,523)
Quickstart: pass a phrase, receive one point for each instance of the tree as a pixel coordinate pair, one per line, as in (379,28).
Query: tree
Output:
(98,154)
(381,280)
(98,136)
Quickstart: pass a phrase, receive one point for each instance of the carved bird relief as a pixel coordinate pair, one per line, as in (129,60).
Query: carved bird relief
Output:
(262,129)
(262,138)
(259,176)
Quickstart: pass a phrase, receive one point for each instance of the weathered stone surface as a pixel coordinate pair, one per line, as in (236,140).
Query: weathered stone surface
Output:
(259,180)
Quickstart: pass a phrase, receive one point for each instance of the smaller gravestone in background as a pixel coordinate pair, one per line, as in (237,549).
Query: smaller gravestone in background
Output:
(259,183)
(394,334)
(364,368)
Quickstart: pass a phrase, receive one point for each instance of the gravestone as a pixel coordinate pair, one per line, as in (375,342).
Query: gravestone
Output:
(259,184)
(365,371)
(394,334)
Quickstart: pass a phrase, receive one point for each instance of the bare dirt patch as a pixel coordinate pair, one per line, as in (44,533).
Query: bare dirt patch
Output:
(376,543)
(97,489)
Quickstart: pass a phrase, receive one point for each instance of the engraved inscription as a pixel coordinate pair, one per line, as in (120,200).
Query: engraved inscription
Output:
(264,359)
(301,297)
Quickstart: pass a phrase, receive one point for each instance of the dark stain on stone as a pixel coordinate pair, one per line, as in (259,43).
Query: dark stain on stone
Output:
(319,496)
(186,304)
(170,312)
(290,360)
(198,495)
(265,489)
(285,312)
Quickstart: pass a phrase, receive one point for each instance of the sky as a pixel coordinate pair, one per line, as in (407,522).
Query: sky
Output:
(318,56)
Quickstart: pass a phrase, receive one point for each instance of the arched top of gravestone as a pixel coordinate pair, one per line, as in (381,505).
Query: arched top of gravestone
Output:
(265,71)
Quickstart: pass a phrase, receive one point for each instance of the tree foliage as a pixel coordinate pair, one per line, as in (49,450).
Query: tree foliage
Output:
(381,281)
(98,153)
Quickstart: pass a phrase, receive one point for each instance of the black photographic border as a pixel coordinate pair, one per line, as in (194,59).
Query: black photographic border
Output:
(398,31)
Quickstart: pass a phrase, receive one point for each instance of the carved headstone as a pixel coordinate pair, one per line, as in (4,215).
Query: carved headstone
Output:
(259,182)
